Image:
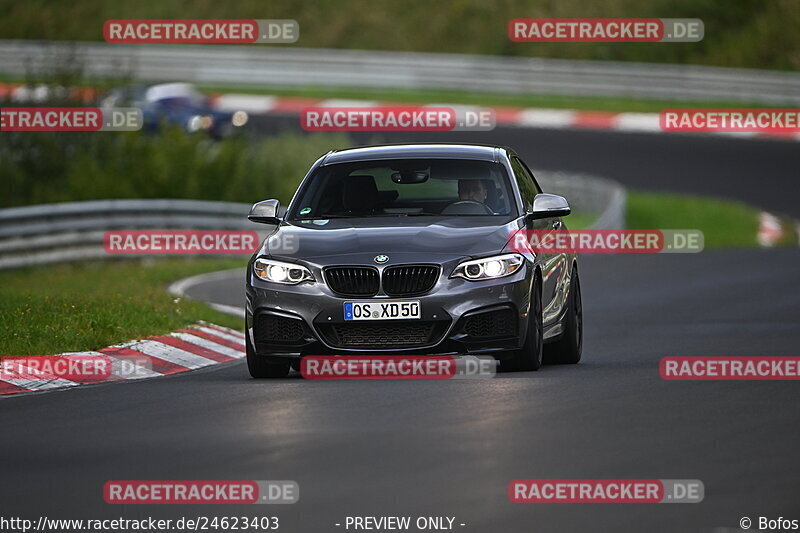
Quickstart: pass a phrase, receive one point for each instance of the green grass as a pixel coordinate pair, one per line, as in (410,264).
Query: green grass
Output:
(744,33)
(87,306)
(724,223)
(44,167)
(579,220)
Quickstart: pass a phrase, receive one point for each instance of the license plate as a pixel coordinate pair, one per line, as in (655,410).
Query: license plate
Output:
(377,310)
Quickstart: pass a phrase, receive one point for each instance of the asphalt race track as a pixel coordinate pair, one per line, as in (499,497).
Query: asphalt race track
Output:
(450,448)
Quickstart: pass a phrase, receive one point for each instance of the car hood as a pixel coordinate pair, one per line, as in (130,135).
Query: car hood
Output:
(415,240)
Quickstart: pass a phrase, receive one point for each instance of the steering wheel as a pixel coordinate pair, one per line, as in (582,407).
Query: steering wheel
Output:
(467,207)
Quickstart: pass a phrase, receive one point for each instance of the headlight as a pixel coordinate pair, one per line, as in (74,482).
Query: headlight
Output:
(280,272)
(199,122)
(489,267)
(194,123)
(239,119)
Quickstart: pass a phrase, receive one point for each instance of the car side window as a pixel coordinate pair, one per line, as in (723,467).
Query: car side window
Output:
(526,183)
(529,173)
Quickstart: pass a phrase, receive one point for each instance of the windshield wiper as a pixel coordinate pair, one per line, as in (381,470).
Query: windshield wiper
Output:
(391,215)
(373,215)
(326,217)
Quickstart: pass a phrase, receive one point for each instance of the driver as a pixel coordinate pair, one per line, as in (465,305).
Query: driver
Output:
(472,189)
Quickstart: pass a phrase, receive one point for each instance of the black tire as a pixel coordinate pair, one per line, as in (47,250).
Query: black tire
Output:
(567,350)
(262,366)
(529,357)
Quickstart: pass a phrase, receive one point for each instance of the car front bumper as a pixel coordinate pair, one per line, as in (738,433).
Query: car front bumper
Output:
(457,317)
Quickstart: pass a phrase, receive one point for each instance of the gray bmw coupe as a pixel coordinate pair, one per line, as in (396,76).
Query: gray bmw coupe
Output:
(406,249)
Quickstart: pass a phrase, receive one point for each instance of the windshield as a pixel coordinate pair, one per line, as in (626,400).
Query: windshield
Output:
(175,94)
(404,187)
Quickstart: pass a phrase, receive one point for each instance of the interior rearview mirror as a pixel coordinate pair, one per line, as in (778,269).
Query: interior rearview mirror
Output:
(410,176)
(265,212)
(549,205)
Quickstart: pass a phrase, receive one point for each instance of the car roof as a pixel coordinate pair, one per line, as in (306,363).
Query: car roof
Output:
(162,91)
(414,151)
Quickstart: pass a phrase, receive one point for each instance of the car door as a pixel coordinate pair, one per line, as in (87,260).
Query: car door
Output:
(554,265)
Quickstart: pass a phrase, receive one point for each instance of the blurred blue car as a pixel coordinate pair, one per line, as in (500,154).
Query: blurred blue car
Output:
(179,104)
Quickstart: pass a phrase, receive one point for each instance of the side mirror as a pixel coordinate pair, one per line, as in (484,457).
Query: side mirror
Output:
(549,205)
(265,212)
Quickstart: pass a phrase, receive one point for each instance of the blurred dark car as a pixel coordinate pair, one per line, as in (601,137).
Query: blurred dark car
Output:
(179,104)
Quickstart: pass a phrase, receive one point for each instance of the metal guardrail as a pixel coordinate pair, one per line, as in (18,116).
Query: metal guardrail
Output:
(259,65)
(604,198)
(73,231)
(63,232)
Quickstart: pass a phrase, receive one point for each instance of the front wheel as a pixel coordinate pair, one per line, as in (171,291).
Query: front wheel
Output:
(567,350)
(261,366)
(529,357)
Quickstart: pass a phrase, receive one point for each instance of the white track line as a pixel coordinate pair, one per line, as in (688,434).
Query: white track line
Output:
(229,330)
(171,354)
(637,122)
(251,103)
(40,384)
(180,287)
(220,334)
(205,343)
(340,102)
(546,118)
